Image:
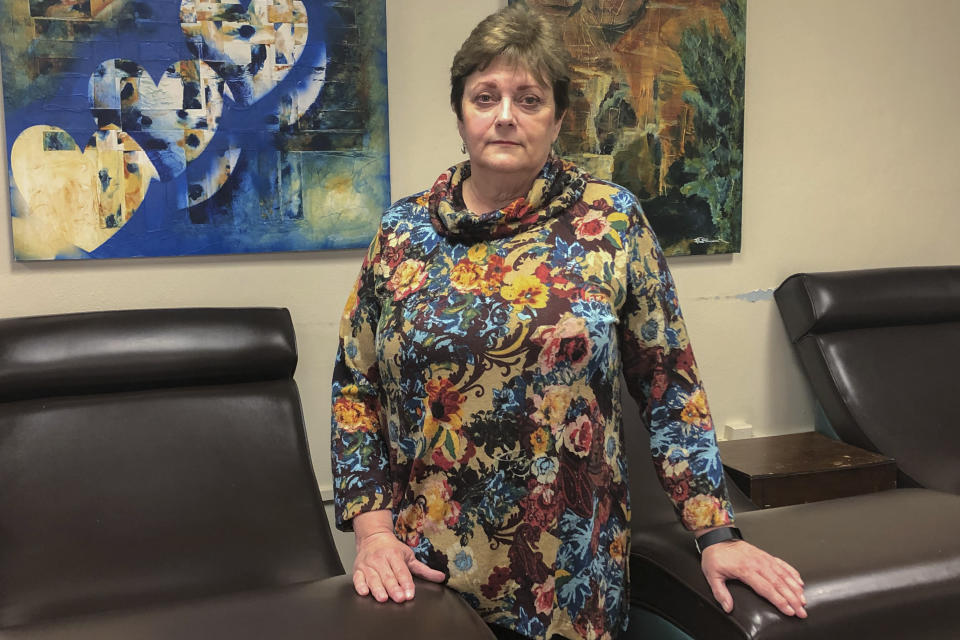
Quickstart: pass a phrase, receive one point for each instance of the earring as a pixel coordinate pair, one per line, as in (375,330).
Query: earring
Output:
(463,148)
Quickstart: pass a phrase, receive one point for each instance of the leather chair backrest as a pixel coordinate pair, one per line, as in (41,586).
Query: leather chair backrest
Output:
(152,455)
(881,348)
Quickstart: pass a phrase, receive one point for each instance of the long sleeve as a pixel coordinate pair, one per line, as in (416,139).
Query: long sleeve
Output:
(359,447)
(662,376)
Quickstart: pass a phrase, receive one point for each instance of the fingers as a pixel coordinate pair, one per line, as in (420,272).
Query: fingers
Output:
(770,577)
(776,592)
(423,571)
(785,580)
(778,586)
(790,570)
(792,581)
(360,583)
(390,582)
(381,581)
(403,580)
(721,593)
(375,584)
(381,570)
(788,587)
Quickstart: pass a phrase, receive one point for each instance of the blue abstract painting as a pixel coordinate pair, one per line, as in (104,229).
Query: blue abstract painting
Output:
(188,127)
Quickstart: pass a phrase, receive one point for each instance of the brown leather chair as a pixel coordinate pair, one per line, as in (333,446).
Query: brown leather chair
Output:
(880,349)
(155,482)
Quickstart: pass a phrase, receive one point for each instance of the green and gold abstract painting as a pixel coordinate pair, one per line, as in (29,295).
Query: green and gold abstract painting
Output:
(657,106)
(187,127)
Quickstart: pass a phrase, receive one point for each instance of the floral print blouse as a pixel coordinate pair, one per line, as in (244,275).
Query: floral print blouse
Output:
(476,394)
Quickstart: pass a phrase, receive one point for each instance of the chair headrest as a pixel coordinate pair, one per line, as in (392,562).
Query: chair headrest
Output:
(816,303)
(106,351)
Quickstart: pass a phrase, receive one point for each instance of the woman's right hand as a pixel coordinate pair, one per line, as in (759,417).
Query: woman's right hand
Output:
(385,566)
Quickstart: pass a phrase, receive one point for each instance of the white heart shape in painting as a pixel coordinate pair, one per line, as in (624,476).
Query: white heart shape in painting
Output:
(254,49)
(75,198)
(173,120)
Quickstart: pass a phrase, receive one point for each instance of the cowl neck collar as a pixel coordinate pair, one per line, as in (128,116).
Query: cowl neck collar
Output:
(558,185)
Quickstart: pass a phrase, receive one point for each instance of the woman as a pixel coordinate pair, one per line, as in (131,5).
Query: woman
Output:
(476,431)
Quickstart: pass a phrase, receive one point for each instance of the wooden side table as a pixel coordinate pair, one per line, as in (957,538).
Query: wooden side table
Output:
(804,467)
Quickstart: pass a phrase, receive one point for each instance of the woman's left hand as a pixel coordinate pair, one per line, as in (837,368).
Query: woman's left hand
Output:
(769,576)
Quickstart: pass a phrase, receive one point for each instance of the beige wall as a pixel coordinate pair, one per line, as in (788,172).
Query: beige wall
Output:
(851,161)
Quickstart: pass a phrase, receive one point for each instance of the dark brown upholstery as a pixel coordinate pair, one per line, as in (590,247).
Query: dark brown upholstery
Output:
(322,610)
(155,481)
(879,566)
(881,349)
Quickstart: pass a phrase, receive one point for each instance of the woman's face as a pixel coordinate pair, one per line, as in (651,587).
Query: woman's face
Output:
(509,120)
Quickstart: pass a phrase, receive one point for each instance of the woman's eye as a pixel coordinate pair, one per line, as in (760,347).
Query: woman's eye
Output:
(530,101)
(484,98)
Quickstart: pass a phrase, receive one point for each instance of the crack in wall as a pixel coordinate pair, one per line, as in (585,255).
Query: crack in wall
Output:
(757,295)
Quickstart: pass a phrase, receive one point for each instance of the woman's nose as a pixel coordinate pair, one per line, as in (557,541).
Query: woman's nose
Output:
(505,115)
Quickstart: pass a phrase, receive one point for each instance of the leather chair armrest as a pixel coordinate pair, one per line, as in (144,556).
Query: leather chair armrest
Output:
(316,610)
(882,565)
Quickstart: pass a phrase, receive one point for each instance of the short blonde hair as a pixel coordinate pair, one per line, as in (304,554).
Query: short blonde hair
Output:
(524,38)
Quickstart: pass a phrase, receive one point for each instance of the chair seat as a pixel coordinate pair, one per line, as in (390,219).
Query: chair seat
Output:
(320,610)
(883,565)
